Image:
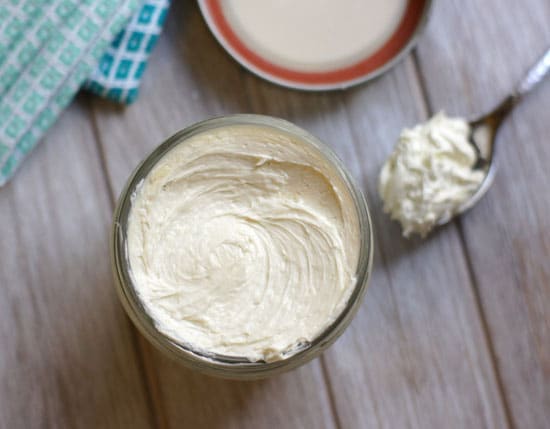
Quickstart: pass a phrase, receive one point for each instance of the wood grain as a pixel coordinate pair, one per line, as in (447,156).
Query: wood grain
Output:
(454,331)
(508,235)
(67,357)
(200,81)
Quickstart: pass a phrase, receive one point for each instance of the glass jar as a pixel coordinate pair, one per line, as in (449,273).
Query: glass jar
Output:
(212,364)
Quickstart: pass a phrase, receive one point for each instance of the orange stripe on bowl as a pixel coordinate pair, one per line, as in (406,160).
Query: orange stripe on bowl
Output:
(394,45)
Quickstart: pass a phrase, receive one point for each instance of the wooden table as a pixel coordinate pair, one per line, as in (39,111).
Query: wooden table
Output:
(454,331)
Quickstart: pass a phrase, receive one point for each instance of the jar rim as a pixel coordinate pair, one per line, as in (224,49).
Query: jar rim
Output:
(212,363)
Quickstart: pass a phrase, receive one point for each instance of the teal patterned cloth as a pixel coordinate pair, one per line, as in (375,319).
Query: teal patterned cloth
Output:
(49,49)
(122,65)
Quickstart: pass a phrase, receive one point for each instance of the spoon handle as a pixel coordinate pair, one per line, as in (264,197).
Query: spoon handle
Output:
(534,76)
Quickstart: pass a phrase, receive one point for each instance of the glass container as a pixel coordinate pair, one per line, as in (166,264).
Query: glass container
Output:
(209,363)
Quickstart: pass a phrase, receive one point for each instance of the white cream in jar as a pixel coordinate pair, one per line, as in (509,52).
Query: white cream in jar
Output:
(243,241)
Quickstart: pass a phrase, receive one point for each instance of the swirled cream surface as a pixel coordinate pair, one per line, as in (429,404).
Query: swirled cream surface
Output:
(243,241)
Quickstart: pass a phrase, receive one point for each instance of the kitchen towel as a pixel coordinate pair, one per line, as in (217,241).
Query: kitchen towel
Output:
(121,67)
(49,48)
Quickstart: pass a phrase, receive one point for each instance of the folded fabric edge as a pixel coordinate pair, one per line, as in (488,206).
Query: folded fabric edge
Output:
(64,95)
(118,74)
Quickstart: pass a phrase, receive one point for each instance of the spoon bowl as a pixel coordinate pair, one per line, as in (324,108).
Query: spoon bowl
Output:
(484,130)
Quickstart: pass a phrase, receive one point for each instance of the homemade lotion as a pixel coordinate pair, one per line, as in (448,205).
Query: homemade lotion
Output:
(243,241)
(429,174)
(314,35)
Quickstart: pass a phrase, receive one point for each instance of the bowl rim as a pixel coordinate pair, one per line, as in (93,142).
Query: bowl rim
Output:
(230,47)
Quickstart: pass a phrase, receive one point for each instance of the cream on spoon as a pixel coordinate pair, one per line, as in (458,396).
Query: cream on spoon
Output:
(441,168)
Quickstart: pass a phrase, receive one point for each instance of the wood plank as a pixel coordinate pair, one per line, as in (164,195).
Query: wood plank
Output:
(68,357)
(295,400)
(191,78)
(416,355)
(508,234)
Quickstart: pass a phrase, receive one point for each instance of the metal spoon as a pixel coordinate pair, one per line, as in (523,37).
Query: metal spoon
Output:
(484,130)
